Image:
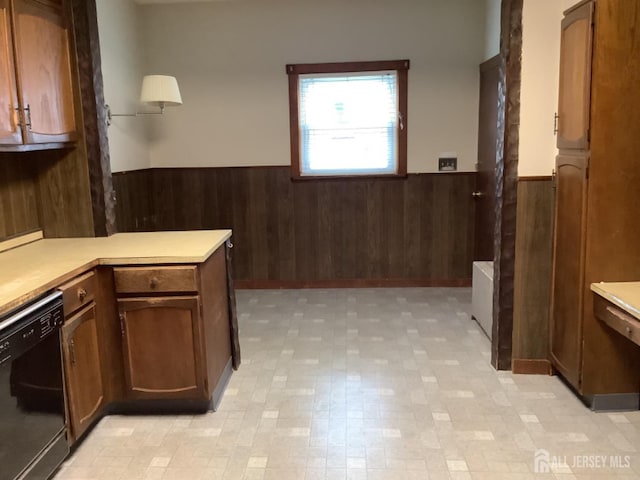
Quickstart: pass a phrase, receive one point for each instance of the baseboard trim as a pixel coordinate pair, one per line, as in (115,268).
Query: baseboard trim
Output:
(536,178)
(613,402)
(351,283)
(526,366)
(218,392)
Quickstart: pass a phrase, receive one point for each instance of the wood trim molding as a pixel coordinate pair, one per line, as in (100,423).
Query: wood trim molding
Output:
(352,283)
(294,125)
(403,108)
(491,63)
(527,366)
(343,67)
(20,240)
(536,178)
(295,70)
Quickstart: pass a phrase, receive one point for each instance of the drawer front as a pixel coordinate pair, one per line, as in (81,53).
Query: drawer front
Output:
(170,279)
(619,320)
(79,292)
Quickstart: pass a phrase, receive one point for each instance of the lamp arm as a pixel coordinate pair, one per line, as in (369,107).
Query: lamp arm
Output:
(110,114)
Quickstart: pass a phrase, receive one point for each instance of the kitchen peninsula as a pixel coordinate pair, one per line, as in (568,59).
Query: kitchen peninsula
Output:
(150,320)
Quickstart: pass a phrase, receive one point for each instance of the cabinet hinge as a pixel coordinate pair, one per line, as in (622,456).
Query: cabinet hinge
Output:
(122,324)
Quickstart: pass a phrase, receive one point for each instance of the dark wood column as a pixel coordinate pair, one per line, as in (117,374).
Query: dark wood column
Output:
(506,182)
(89,63)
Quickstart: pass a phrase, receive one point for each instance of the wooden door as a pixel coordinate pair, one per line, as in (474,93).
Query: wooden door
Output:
(10,131)
(44,71)
(484,194)
(162,343)
(83,372)
(574,94)
(568,265)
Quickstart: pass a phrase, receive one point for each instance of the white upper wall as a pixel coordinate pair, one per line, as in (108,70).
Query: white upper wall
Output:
(122,72)
(492,28)
(539,94)
(229,59)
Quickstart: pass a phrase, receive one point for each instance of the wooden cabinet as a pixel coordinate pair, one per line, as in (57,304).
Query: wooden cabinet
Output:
(10,130)
(597,177)
(37,102)
(162,341)
(176,325)
(569,243)
(83,371)
(575,78)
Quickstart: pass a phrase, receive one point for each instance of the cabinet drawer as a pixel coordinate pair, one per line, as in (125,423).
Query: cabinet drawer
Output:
(78,292)
(169,279)
(616,318)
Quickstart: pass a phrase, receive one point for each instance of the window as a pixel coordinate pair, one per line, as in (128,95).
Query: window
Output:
(348,119)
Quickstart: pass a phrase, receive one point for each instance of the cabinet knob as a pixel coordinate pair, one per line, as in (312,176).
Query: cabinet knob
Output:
(82,294)
(153,283)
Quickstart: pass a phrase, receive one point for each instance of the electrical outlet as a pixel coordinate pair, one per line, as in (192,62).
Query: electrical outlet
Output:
(447,164)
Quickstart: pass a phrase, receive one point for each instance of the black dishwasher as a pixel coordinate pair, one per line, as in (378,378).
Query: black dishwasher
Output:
(32,417)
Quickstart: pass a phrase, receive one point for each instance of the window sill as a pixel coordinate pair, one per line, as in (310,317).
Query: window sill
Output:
(388,176)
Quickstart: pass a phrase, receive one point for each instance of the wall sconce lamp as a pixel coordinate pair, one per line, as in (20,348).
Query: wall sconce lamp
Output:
(158,91)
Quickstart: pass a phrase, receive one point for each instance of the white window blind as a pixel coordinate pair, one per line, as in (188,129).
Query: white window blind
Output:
(348,123)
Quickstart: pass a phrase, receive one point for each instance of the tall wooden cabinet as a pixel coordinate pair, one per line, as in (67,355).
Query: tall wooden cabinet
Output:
(36,104)
(597,193)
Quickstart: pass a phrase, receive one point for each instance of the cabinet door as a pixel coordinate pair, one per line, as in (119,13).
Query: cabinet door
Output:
(83,372)
(162,347)
(575,78)
(10,132)
(568,266)
(44,71)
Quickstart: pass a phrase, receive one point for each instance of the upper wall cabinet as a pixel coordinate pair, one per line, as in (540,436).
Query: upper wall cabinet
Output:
(576,48)
(37,102)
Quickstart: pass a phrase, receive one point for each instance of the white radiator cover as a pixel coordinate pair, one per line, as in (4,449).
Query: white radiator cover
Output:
(482,295)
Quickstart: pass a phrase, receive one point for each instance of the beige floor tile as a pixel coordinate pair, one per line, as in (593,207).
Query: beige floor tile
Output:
(375,384)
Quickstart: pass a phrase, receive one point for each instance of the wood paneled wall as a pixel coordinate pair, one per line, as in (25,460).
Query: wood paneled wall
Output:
(47,190)
(134,201)
(532,283)
(18,203)
(413,231)
(65,192)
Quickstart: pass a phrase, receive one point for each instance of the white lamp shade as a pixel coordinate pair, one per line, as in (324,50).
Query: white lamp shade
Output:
(160,90)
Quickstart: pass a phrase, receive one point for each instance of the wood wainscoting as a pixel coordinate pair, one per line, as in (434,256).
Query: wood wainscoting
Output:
(18,197)
(333,232)
(532,283)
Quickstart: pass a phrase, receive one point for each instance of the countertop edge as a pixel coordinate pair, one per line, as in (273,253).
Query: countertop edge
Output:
(164,260)
(44,288)
(595,287)
(111,261)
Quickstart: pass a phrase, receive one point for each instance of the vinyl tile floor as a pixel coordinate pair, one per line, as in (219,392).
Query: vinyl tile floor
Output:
(376,384)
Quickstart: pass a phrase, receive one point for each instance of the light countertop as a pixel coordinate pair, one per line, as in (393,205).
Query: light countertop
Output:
(625,295)
(32,269)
